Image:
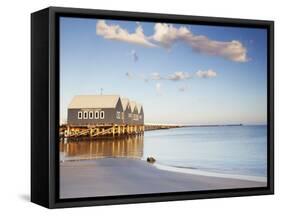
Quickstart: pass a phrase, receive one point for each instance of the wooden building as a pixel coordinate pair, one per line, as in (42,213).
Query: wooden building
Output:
(95,110)
(134,113)
(126,110)
(86,110)
(140,114)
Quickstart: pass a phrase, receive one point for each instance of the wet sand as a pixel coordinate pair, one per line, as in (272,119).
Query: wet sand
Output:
(109,177)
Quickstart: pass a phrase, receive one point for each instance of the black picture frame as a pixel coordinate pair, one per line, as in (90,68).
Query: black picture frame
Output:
(45,106)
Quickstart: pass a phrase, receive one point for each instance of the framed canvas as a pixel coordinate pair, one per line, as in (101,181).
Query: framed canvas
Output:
(138,107)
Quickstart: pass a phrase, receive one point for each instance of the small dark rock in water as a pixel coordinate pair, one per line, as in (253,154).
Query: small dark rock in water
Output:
(150,160)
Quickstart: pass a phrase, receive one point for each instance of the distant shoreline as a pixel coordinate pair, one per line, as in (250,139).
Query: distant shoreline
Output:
(216,125)
(149,127)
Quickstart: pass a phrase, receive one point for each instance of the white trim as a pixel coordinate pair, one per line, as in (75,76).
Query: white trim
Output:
(80,115)
(97,115)
(101,114)
(85,115)
(91,115)
(118,115)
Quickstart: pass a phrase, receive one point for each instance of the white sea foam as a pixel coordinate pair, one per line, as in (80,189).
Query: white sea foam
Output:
(210,174)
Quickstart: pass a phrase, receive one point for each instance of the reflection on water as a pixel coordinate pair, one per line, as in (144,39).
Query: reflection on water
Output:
(238,150)
(128,147)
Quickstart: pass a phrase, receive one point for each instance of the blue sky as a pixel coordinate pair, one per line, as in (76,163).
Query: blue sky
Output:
(188,74)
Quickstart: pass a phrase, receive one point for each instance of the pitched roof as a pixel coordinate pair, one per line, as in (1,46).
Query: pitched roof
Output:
(133,104)
(94,101)
(139,106)
(125,102)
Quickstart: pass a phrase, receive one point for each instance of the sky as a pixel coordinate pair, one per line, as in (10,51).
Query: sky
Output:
(181,74)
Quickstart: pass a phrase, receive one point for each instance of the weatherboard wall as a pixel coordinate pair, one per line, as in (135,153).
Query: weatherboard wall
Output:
(110,116)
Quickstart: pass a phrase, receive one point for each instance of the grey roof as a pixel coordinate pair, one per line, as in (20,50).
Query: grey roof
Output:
(94,101)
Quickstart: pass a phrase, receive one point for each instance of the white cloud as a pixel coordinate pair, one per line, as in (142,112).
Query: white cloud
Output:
(179,76)
(134,55)
(206,74)
(176,76)
(155,76)
(166,35)
(137,76)
(115,32)
(158,88)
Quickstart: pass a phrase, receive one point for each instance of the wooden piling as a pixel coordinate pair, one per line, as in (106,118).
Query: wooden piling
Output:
(113,130)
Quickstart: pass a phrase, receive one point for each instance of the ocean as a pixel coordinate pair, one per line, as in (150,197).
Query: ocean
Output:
(235,150)
(240,150)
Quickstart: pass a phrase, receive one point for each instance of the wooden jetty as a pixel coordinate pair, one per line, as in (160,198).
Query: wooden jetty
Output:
(109,130)
(149,127)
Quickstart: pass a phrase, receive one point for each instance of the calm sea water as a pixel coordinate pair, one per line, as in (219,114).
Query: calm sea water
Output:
(226,149)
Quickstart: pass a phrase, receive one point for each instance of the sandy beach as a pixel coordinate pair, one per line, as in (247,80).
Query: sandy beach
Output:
(111,176)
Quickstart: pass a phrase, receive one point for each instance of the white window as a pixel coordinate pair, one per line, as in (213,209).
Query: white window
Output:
(118,115)
(97,115)
(140,116)
(91,115)
(130,115)
(80,116)
(123,115)
(135,117)
(85,115)
(101,114)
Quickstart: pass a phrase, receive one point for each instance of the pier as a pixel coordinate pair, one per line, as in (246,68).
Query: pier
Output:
(149,127)
(110,130)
